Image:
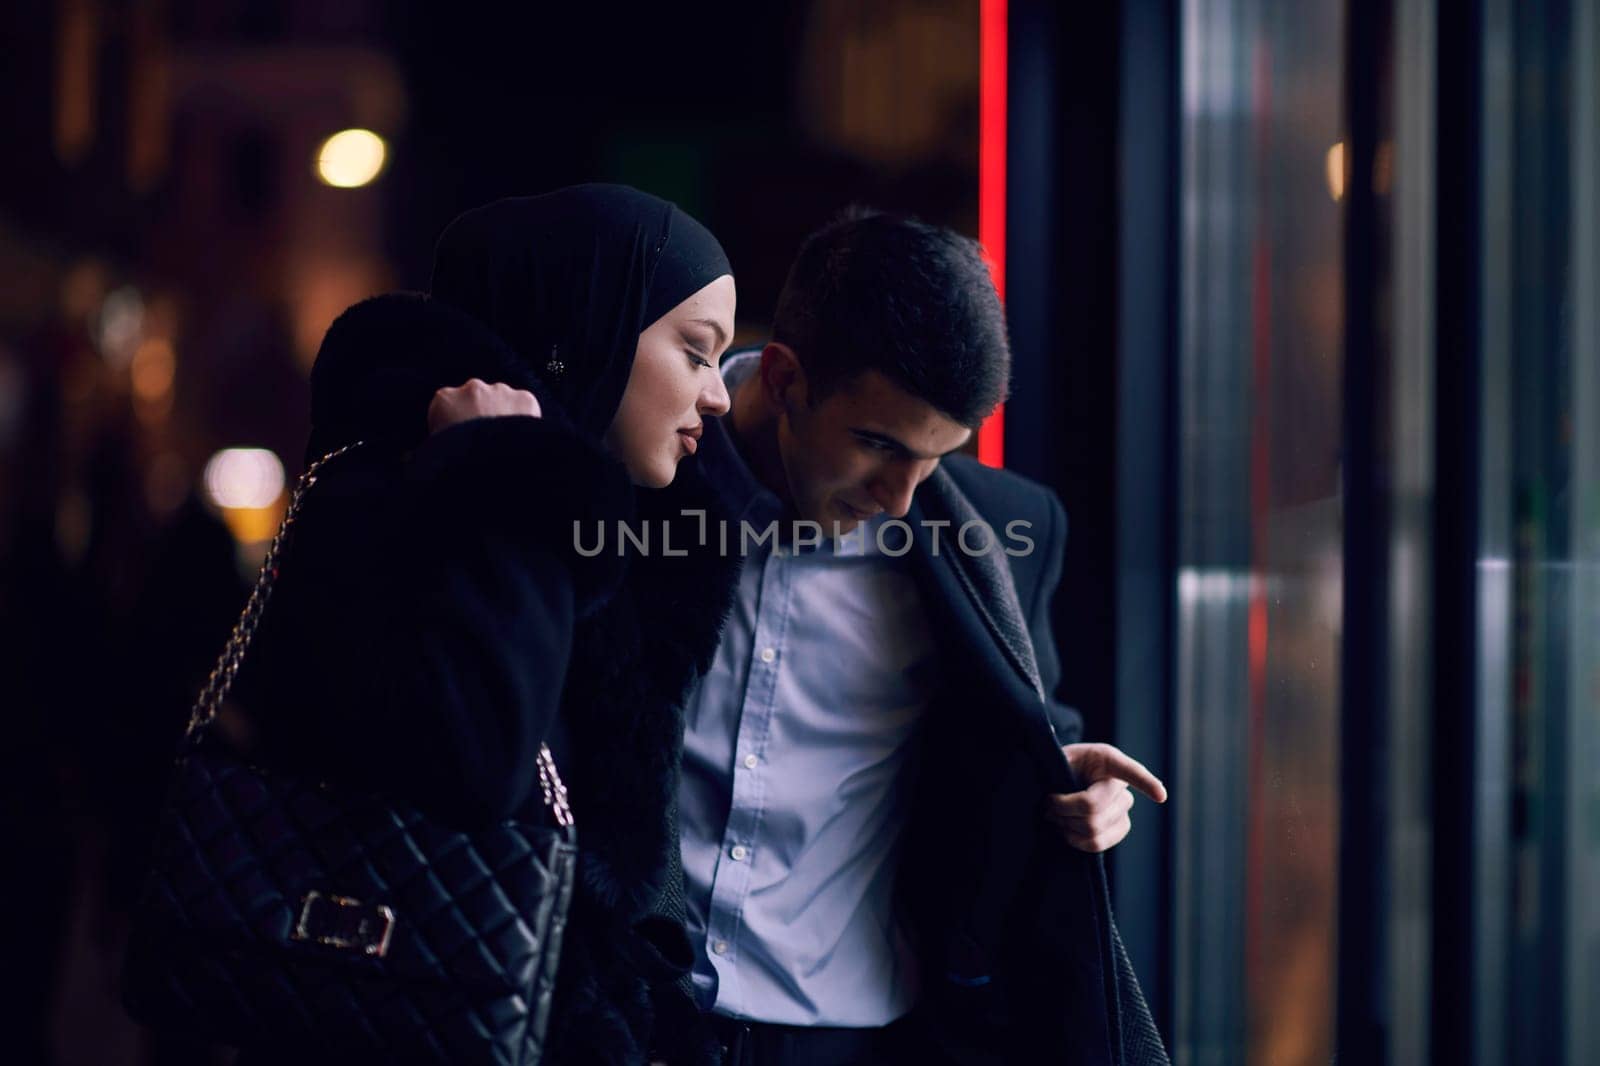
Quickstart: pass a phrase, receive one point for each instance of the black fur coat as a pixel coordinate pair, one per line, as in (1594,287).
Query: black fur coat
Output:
(433,624)
(622,717)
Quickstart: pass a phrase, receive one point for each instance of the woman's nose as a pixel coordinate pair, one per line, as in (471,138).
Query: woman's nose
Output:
(714,397)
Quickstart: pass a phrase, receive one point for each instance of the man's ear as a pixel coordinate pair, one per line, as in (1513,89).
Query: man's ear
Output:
(783,379)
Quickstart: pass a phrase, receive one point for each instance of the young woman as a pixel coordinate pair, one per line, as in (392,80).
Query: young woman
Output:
(434,623)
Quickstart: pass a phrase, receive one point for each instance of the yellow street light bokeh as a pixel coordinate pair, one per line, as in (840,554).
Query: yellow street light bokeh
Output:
(351,158)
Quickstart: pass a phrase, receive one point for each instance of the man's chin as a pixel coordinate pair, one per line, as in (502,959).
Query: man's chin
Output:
(843,521)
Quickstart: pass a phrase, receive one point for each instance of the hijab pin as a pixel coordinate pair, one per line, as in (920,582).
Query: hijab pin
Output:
(555,367)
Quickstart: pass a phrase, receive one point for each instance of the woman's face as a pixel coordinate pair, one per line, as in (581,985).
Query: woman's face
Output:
(673,385)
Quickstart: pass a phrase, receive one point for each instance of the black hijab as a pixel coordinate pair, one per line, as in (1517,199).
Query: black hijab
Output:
(571,278)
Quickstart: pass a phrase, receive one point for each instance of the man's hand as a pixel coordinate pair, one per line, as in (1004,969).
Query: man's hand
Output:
(1096,819)
(478,399)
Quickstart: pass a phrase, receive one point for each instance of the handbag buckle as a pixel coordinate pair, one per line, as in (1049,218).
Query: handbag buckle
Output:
(345,923)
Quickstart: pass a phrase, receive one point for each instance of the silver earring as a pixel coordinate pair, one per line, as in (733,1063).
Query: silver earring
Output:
(555,367)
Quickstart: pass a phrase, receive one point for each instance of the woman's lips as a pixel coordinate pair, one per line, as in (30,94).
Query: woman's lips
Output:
(690,444)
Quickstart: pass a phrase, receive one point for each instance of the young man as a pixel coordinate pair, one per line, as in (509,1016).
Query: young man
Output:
(886,856)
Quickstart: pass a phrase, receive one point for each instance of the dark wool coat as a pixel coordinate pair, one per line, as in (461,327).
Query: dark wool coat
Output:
(433,624)
(1022,962)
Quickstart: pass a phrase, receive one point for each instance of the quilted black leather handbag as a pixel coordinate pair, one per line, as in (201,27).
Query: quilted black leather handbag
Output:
(282,914)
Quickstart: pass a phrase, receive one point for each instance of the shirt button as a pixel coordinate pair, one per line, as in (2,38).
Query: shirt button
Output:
(739,852)
(768,654)
(720,947)
(751,762)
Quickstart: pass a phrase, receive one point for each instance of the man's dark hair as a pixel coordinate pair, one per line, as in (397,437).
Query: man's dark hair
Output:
(874,291)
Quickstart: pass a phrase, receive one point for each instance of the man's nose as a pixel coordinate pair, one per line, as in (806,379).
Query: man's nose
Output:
(894,488)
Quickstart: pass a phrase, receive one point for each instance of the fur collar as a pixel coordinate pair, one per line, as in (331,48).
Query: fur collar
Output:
(632,665)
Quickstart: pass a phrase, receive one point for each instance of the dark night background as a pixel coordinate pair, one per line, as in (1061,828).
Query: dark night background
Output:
(165,149)
(1301,301)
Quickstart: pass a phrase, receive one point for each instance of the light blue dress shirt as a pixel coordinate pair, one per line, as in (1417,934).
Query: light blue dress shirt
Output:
(798,752)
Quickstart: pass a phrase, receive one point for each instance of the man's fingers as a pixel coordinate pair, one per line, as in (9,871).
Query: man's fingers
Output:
(1107,789)
(1069,803)
(1118,812)
(1079,812)
(1096,818)
(1125,767)
(1104,840)
(1102,762)
(1102,795)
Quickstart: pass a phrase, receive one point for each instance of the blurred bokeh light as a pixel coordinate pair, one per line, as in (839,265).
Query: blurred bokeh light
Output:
(351,158)
(244,478)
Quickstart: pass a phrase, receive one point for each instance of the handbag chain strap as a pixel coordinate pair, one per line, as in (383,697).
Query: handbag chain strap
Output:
(217,685)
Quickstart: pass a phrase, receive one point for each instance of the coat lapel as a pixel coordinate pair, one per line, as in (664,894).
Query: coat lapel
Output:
(984,580)
(1079,998)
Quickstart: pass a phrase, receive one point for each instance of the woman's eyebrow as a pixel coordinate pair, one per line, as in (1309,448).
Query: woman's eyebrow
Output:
(715,327)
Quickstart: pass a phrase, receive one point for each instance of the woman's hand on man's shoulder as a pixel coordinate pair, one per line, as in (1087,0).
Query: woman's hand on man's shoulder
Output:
(476,398)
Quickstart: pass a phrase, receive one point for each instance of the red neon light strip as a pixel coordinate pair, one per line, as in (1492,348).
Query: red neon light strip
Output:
(992,184)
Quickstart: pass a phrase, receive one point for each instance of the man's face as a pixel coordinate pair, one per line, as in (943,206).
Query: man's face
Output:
(861,451)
